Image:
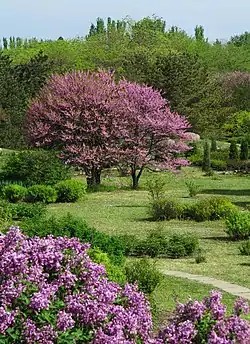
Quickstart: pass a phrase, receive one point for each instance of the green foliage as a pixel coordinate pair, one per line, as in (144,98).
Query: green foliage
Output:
(165,209)
(206,162)
(41,193)
(238,225)
(115,273)
(200,256)
(193,188)
(219,165)
(73,226)
(14,193)
(210,209)
(70,190)
(245,248)
(244,153)
(25,210)
(5,211)
(35,167)
(233,151)
(145,273)
(182,245)
(213,145)
(153,246)
(156,188)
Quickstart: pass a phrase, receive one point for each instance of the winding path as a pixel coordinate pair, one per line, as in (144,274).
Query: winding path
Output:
(233,289)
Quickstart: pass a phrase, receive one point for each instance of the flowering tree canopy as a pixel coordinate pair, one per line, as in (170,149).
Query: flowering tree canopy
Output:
(95,123)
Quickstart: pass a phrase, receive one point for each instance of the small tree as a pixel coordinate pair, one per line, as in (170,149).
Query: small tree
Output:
(233,151)
(213,145)
(244,153)
(206,163)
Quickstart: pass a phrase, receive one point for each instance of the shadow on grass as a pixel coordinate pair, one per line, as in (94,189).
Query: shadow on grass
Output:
(129,206)
(219,238)
(245,264)
(242,204)
(229,192)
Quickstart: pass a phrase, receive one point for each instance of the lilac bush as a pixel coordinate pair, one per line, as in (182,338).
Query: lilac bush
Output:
(51,292)
(206,322)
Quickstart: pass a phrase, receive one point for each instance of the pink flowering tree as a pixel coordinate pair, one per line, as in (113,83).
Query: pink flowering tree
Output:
(151,133)
(73,114)
(96,123)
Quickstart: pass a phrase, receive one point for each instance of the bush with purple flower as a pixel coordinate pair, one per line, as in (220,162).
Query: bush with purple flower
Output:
(51,292)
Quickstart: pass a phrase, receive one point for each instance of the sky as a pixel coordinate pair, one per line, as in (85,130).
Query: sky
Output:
(70,18)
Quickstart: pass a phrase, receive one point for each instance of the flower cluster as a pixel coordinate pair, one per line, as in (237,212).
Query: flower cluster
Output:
(50,289)
(206,322)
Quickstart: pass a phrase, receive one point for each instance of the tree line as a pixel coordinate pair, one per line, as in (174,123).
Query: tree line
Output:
(207,82)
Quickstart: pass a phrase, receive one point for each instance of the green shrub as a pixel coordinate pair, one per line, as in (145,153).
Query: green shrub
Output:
(156,188)
(70,190)
(14,193)
(73,226)
(165,209)
(5,211)
(206,162)
(245,248)
(41,193)
(193,188)
(196,159)
(115,273)
(182,245)
(233,151)
(25,210)
(145,273)
(35,167)
(200,257)
(244,152)
(219,165)
(210,209)
(213,145)
(153,246)
(130,242)
(238,225)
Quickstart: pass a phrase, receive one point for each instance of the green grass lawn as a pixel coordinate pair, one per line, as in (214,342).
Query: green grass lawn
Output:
(125,212)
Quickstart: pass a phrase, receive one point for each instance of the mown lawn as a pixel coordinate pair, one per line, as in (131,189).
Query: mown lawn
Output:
(124,211)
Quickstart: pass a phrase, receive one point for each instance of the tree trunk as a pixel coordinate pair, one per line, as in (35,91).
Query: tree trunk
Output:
(94,178)
(135,177)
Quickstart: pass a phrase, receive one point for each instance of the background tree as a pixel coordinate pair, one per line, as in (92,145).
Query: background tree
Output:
(206,162)
(244,153)
(233,151)
(213,145)
(95,123)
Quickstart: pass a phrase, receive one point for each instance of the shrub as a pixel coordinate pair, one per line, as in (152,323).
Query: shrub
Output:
(193,188)
(70,190)
(206,162)
(5,211)
(153,246)
(35,167)
(233,151)
(115,273)
(200,257)
(244,150)
(210,209)
(53,292)
(14,193)
(156,188)
(245,248)
(196,159)
(72,226)
(25,210)
(165,209)
(130,242)
(41,193)
(213,145)
(182,245)
(207,322)
(219,165)
(238,225)
(145,273)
